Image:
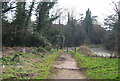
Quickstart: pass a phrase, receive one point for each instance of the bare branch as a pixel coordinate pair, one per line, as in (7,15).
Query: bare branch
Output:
(6,10)
(115,6)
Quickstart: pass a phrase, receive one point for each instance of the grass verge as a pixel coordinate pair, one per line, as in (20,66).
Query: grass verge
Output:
(46,66)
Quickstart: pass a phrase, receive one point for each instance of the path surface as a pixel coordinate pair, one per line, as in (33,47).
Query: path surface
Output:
(67,68)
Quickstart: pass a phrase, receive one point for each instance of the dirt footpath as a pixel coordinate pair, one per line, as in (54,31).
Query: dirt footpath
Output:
(67,68)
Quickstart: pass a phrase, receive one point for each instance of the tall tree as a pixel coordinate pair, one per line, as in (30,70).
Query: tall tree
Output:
(19,23)
(112,36)
(88,25)
(43,19)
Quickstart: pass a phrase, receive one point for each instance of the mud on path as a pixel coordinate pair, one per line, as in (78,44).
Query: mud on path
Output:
(67,68)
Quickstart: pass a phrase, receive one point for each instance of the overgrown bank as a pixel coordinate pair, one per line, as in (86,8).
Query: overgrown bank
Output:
(31,65)
(98,68)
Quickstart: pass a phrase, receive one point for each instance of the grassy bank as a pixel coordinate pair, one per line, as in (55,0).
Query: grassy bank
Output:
(32,65)
(98,68)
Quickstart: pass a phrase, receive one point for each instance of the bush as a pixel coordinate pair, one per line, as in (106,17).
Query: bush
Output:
(40,49)
(85,50)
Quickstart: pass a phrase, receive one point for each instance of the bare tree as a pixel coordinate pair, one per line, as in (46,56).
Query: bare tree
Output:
(119,9)
(116,9)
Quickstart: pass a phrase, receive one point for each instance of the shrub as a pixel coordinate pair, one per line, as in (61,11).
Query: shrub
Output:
(40,49)
(85,50)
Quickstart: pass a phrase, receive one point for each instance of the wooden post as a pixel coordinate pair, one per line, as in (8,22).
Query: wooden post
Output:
(63,40)
(57,47)
(67,49)
(75,49)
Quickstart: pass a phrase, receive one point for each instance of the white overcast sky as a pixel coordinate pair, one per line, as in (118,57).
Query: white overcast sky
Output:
(100,8)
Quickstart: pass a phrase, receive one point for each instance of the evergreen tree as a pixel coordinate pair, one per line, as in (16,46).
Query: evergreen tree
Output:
(88,25)
(19,23)
(43,19)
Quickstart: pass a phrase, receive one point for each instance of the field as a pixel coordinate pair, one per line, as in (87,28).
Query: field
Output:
(98,67)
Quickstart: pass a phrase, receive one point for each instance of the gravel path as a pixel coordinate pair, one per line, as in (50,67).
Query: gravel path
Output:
(67,68)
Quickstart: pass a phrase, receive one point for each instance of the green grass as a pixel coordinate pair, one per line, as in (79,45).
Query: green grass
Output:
(31,66)
(98,68)
(46,66)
